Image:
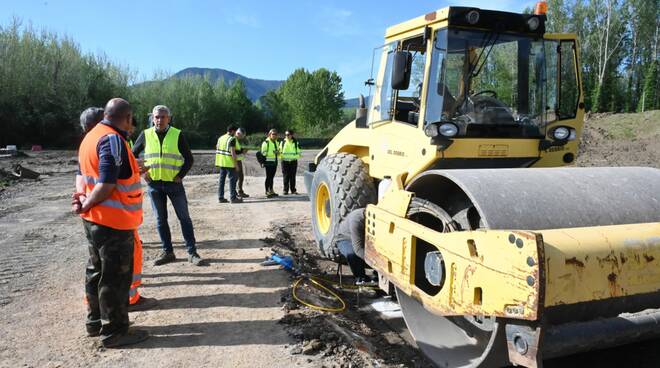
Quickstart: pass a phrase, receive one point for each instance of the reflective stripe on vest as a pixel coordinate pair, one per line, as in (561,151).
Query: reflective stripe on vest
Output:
(223,151)
(119,187)
(122,210)
(164,160)
(270,150)
(290,150)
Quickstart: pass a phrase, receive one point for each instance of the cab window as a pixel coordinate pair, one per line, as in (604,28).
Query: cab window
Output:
(408,101)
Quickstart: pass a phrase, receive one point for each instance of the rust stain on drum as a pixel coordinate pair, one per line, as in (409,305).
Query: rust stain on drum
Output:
(574,261)
(614,289)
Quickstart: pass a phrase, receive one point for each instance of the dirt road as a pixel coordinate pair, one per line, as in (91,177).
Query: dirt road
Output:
(225,314)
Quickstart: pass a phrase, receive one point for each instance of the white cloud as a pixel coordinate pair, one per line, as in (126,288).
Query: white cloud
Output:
(245,20)
(338,22)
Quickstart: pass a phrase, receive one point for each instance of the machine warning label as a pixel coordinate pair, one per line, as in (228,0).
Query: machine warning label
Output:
(493,150)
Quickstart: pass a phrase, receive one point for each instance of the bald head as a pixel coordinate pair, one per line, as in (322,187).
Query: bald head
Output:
(119,112)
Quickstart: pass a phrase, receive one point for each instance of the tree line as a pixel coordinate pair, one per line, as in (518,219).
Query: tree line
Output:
(619,42)
(46,81)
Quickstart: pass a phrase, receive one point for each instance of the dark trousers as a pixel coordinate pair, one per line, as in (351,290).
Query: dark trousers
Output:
(355,263)
(289,169)
(241,175)
(159,191)
(224,172)
(271,169)
(108,278)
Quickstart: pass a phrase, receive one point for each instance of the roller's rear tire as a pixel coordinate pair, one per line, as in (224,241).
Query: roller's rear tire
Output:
(341,184)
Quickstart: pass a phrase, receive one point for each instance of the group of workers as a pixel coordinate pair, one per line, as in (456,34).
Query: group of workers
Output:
(230,154)
(108,197)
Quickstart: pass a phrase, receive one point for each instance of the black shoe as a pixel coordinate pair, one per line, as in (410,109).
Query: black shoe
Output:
(143,304)
(286,192)
(93,331)
(129,338)
(243,195)
(274,194)
(195,259)
(293,192)
(222,200)
(236,200)
(270,195)
(164,257)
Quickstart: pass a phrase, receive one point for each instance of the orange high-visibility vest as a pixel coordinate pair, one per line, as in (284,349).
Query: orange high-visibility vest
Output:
(134,294)
(122,210)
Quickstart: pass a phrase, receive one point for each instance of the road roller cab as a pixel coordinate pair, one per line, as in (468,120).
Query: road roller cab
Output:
(499,255)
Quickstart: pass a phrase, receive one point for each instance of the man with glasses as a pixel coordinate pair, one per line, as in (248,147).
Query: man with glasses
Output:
(168,156)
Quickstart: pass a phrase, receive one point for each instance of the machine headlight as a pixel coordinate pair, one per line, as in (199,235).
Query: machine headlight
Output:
(533,23)
(472,17)
(431,130)
(573,135)
(448,129)
(561,133)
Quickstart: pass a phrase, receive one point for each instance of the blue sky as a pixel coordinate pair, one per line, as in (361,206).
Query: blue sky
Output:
(258,39)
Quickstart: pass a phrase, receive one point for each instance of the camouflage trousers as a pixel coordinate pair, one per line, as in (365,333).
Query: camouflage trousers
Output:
(108,279)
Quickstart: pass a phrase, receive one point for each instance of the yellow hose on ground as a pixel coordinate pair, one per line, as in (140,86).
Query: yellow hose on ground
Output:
(315,281)
(322,287)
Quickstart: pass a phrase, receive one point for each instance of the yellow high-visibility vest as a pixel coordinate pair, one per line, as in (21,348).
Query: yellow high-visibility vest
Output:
(164,161)
(270,149)
(223,151)
(290,150)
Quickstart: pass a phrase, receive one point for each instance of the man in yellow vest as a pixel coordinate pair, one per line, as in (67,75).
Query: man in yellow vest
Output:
(110,204)
(169,158)
(271,150)
(290,154)
(240,156)
(225,158)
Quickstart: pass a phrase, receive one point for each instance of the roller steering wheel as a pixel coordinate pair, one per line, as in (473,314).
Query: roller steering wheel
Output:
(489,91)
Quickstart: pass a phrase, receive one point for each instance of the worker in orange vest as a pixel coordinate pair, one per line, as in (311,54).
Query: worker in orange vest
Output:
(88,120)
(111,209)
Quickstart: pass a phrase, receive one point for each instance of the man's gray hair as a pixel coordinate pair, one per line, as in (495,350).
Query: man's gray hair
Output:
(158,108)
(241,130)
(90,117)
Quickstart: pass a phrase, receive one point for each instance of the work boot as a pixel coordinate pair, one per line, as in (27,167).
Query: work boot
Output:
(286,192)
(131,337)
(93,331)
(293,192)
(236,200)
(142,304)
(270,194)
(274,194)
(222,200)
(195,259)
(164,257)
(243,194)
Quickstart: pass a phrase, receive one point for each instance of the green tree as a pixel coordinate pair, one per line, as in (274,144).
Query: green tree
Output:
(313,100)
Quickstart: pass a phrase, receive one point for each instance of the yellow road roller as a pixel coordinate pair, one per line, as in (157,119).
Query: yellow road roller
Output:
(499,252)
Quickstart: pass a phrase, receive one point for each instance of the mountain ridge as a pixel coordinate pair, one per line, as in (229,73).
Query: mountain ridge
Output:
(255,88)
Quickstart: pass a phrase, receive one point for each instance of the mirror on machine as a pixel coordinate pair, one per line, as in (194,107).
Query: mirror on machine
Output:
(401,66)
